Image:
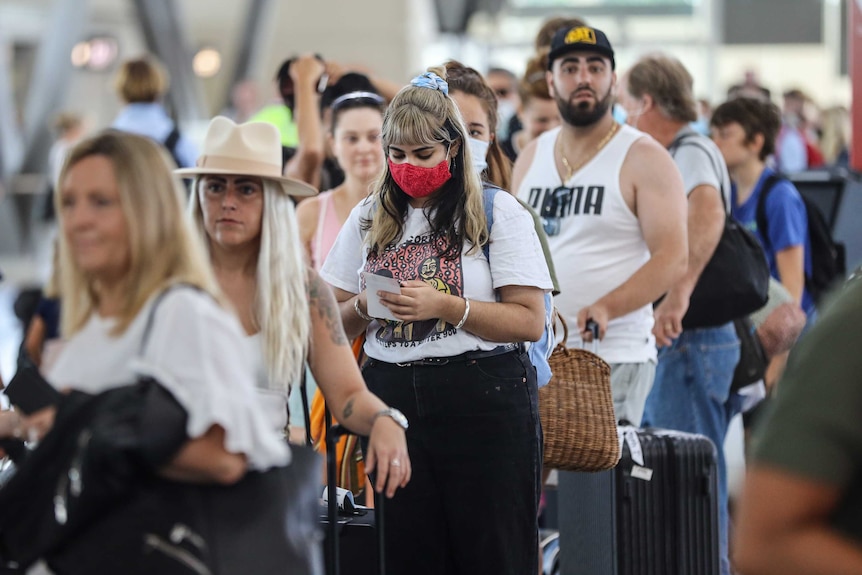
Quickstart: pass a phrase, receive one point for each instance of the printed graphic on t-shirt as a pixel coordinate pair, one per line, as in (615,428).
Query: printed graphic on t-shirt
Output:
(554,204)
(417,258)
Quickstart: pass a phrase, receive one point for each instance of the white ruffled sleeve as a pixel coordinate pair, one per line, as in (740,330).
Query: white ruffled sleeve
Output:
(196,350)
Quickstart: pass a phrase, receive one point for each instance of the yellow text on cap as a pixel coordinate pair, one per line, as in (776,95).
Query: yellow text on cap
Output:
(581,35)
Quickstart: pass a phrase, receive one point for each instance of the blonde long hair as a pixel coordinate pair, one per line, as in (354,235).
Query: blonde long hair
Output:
(426,116)
(282,312)
(835,123)
(163,248)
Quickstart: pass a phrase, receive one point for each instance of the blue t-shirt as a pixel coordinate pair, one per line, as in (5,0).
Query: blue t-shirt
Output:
(787,224)
(151,120)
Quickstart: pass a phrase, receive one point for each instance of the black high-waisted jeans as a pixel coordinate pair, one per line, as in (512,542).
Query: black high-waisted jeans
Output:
(475,445)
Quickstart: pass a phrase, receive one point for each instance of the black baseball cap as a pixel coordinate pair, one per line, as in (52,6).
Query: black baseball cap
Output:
(580,38)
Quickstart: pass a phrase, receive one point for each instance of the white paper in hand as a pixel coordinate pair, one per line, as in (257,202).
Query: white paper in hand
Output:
(375,283)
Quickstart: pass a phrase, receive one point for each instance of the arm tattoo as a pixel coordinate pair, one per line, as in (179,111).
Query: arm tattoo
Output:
(320,298)
(348,410)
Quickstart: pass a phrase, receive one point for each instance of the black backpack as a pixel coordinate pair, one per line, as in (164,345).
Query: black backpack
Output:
(828,259)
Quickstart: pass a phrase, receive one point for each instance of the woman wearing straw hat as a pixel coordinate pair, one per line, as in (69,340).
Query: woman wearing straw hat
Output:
(242,206)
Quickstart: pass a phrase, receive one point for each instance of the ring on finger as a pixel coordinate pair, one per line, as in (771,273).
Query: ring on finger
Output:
(395,463)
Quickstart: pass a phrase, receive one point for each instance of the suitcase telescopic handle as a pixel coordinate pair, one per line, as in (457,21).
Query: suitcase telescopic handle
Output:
(334,567)
(331,438)
(593,328)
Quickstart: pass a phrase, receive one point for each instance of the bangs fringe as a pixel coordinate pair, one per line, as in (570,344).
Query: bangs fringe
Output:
(412,126)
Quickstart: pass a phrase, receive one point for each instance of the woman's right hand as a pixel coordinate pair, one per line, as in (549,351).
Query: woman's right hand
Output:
(307,68)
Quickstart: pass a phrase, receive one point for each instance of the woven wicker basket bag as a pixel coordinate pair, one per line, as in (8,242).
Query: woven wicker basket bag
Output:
(577,411)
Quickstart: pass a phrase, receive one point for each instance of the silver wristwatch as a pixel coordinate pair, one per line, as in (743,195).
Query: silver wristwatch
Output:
(394,414)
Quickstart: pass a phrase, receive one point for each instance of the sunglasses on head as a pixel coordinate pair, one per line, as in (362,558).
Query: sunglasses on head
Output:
(552,207)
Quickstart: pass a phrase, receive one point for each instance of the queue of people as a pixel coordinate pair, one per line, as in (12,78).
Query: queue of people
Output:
(617,220)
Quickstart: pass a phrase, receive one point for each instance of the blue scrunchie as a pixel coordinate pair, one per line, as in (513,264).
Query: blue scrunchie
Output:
(431,80)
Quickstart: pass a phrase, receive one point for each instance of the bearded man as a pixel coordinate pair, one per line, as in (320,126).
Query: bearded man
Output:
(612,202)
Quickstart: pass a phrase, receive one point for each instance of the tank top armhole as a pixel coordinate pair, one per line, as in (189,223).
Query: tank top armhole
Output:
(633,137)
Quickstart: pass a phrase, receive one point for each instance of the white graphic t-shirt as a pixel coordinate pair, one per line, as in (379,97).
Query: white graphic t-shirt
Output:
(516,259)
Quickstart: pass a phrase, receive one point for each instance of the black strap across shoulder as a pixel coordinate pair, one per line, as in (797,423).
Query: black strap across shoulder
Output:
(151,317)
(692,140)
(171,141)
(760,211)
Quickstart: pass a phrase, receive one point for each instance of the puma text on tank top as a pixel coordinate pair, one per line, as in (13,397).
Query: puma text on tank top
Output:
(597,243)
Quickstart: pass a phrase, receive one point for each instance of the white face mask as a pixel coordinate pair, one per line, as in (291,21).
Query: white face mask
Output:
(479,151)
(620,113)
(505,110)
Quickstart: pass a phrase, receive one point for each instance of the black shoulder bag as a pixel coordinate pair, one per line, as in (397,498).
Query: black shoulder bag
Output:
(735,282)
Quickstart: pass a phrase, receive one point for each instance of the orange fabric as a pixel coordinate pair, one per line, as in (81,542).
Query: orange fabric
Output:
(358,344)
(351,476)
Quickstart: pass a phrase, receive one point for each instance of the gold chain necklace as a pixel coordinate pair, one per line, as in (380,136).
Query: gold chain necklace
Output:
(571,170)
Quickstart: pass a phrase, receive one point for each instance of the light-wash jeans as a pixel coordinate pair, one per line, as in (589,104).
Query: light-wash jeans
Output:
(630,385)
(691,393)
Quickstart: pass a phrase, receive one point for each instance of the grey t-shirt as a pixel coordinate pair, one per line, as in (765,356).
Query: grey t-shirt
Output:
(700,163)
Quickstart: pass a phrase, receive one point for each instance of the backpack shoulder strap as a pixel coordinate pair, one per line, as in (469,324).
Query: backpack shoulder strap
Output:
(691,140)
(760,211)
(489,191)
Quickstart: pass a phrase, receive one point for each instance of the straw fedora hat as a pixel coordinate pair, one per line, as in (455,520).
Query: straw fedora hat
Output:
(251,149)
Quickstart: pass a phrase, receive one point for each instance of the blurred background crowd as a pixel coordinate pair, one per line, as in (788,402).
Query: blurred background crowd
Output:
(322,72)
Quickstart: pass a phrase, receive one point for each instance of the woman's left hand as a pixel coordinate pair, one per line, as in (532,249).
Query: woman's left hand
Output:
(418,301)
(38,424)
(9,423)
(387,455)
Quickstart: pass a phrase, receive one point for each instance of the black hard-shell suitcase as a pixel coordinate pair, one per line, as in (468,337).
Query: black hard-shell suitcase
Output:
(656,513)
(356,556)
(357,541)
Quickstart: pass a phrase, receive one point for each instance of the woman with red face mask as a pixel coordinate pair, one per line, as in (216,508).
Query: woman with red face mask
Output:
(444,341)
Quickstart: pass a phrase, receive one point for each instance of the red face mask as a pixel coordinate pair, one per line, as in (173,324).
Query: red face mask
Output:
(418,182)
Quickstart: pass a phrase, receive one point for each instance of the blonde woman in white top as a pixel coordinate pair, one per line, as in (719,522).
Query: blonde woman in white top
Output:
(243,209)
(124,240)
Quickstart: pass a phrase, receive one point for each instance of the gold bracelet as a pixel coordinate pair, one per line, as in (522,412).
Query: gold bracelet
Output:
(359,312)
